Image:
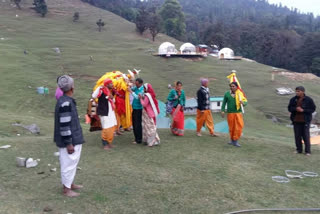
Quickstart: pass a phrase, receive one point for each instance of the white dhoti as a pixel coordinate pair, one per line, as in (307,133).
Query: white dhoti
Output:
(68,164)
(110,120)
(108,124)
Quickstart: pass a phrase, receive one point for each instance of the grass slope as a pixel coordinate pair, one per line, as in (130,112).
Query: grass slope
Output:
(183,175)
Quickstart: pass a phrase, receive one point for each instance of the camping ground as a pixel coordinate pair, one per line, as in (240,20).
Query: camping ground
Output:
(182,175)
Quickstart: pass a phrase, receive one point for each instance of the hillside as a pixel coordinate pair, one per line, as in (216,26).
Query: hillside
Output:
(271,34)
(173,166)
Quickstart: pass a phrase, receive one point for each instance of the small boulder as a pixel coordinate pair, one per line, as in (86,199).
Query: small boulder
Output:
(5,147)
(47,209)
(31,163)
(21,161)
(57,50)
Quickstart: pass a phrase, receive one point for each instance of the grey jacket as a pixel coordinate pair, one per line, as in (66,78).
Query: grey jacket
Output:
(67,129)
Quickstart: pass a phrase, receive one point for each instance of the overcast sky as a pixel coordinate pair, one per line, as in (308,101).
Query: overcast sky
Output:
(302,5)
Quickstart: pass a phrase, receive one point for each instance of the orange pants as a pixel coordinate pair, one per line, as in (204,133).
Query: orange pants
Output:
(118,122)
(107,134)
(235,122)
(124,123)
(205,117)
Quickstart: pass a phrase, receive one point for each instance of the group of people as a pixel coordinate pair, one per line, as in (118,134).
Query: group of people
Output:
(144,109)
(232,104)
(144,106)
(68,132)
(110,107)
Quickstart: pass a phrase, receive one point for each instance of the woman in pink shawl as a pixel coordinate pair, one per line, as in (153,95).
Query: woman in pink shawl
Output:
(59,92)
(149,114)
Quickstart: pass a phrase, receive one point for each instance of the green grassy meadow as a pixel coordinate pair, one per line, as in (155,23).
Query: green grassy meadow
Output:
(184,174)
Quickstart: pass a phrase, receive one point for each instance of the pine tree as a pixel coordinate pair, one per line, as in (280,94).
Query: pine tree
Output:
(173,19)
(315,67)
(154,24)
(142,19)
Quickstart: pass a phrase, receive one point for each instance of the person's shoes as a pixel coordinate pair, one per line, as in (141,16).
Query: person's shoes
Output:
(75,187)
(199,134)
(107,147)
(296,152)
(134,142)
(235,143)
(308,154)
(71,194)
(119,133)
(231,142)
(214,135)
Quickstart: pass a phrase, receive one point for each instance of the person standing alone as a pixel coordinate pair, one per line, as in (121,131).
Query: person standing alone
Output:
(68,135)
(301,108)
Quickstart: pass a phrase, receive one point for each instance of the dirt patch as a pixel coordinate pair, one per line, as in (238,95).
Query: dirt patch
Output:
(74,4)
(11,30)
(89,77)
(210,79)
(297,76)
(59,12)
(196,59)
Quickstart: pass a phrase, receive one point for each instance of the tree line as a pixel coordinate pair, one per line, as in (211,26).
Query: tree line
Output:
(40,6)
(271,34)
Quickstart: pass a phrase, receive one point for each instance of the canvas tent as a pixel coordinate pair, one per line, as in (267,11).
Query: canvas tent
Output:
(167,48)
(226,53)
(188,48)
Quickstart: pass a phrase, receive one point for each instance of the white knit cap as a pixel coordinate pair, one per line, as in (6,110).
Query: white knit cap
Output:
(65,83)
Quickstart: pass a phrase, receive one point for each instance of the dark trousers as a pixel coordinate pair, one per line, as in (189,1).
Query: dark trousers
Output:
(137,124)
(302,132)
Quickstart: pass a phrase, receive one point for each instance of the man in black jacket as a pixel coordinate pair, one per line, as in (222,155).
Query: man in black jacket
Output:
(68,136)
(301,108)
(204,115)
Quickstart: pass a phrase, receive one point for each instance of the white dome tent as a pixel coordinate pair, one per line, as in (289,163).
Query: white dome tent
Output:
(188,48)
(167,48)
(226,53)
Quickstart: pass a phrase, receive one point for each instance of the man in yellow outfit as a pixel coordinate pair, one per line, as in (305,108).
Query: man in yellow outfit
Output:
(106,112)
(235,101)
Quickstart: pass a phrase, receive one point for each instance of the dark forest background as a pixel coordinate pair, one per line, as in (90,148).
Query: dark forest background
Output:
(271,34)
